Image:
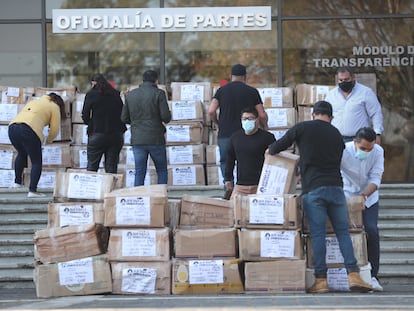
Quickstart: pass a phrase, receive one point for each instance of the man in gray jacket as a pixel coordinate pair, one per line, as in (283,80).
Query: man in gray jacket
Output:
(146,109)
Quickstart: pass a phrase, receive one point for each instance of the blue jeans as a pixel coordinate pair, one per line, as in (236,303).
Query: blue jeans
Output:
(370,217)
(27,143)
(158,154)
(223,144)
(318,204)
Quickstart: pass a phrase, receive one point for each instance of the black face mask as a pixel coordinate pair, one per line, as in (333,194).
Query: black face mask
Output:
(346,86)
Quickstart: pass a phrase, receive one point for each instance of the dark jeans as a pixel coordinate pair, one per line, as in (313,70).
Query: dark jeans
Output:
(319,203)
(158,154)
(370,217)
(109,145)
(223,144)
(27,143)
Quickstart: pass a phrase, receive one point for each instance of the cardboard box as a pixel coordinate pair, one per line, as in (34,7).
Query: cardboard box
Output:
(69,243)
(74,213)
(139,245)
(79,133)
(191,91)
(186,175)
(77,107)
(263,245)
(136,207)
(281,97)
(268,211)
(212,154)
(184,133)
(355,206)
(65,131)
(205,212)
(12,95)
(86,276)
(160,86)
(7,156)
(153,278)
(338,278)
(56,155)
(309,94)
(9,111)
(278,174)
(304,113)
(174,211)
(334,257)
(186,110)
(47,179)
(185,154)
(281,117)
(221,276)
(281,276)
(203,243)
(214,176)
(84,185)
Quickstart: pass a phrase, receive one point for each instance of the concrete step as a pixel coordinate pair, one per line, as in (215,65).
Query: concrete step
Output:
(17,262)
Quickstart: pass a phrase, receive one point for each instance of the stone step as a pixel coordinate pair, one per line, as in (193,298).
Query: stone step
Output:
(17,262)
(21,228)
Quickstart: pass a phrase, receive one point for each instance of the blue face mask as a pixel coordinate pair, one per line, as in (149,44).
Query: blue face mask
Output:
(361,155)
(248,125)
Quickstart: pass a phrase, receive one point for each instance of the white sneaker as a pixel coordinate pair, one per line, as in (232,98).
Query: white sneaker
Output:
(376,285)
(35,195)
(16,185)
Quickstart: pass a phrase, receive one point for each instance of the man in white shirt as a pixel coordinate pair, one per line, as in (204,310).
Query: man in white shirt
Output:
(354,106)
(362,167)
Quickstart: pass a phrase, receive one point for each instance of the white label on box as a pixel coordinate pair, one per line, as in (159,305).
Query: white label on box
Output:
(79,106)
(85,134)
(275,94)
(8,112)
(51,155)
(133,211)
(278,117)
(272,180)
(6,159)
(4,135)
(205,272)
(139,280)
(77,215)
(182,110)
(73,272)
(129,178)
(338,279)
(278,134)
(130,160)
(318,92)
(84,186)
(266,210)
(13,91)
(139,243)
(180,154)
(83,158)
(192,92)
(47,180)
(4,97)
(217,155)
(277,243)
(183,175)
(178,133)
(6,178)
(333,252)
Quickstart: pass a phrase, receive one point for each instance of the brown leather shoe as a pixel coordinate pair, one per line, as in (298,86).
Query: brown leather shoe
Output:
(356,284)
(319,287)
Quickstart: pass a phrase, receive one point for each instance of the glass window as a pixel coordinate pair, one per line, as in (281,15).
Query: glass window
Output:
(83,4)
(20,9)
(20,55)
(219,3)
(208,56)
(350,7)
(312,50)
(121,57)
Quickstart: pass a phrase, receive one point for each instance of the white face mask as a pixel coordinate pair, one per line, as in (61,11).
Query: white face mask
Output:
(248,125)
(362,155)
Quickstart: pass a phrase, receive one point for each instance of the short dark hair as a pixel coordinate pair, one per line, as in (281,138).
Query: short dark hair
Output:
(322,107)
(150,75)
(250,109)
(345,69)
(366,133)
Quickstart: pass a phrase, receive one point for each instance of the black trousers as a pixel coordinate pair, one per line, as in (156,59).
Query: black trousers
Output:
(107,145)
